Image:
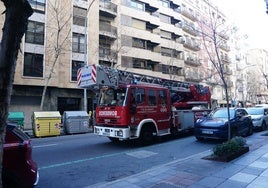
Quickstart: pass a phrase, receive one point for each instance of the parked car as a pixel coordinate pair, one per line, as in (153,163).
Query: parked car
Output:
(18,167)
(215,125)
(259,116)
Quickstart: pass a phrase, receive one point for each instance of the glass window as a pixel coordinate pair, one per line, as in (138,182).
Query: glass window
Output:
(138,43)
(152,97)
(162,97)
(140,95)
(35,33)
(33,65)
(38,5)
(78,44)
(79,16)
(137,5)
(165,18)
(166,52)
(138,24)
(75,66)
(164,3)
(165,34)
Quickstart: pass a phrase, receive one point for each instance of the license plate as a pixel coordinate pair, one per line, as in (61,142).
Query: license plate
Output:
(207,132)
(106,132)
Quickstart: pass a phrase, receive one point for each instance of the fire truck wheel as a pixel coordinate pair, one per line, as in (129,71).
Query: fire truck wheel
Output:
(146,136)
(114,139)
(199,138)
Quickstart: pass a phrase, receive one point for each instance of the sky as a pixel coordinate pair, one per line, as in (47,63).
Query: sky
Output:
(250,17)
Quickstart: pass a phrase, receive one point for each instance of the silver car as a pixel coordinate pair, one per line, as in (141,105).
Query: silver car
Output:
(259,116)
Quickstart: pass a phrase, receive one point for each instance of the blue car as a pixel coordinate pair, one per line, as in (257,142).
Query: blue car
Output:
(215,125)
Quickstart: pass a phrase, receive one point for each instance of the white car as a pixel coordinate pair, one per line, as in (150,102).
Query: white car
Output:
(259,116)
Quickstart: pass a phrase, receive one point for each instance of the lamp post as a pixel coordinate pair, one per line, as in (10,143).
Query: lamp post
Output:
(85,50)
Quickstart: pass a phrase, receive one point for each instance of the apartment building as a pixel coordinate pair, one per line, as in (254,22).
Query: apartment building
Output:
(156,37)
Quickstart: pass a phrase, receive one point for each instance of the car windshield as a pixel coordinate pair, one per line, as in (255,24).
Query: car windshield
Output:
(255,111)
(222,113)
(112,97)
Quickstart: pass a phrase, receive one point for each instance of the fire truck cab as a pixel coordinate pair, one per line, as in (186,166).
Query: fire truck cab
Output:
(134,111)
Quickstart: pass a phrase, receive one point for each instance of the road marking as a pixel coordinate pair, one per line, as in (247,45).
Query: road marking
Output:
(42,146)
(80,161)
(141,154)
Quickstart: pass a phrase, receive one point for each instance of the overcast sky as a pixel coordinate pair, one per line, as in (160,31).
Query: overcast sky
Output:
(250,16)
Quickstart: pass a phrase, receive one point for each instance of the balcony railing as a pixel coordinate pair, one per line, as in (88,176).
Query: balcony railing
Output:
(108,9)
(108,30)
(192,61)
(193,45)
(189,14)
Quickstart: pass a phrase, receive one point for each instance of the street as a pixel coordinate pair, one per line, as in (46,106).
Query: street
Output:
(85,159)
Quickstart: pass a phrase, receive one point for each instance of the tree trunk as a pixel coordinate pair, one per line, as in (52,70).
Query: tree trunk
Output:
(16,21)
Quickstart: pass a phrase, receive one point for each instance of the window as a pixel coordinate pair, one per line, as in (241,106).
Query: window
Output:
(166,52)
(138,43)
(78,44)
(35,33)
(152,97)
(162,97)
(165,18)
(165,34)
(140,95)
(137,5)
(38,5)
(33,65)
(79,16)
(164,3)
(75,66)
(138,24)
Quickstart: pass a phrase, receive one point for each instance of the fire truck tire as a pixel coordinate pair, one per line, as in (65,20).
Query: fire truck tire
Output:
(147,137)
(199,138)
(114,139)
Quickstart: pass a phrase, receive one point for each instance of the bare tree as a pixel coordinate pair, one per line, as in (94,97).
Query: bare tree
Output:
(15,25)
(213,32)
(60,35)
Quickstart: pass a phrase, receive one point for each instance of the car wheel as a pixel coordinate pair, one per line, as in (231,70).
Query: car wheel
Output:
(199,138)
(263,126)
(10,180)
(233,133)
(146,136)
(250,129)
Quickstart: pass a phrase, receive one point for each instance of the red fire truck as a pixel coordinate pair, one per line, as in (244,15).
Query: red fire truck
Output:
(135,106)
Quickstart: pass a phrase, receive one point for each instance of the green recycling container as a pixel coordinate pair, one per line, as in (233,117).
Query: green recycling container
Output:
(17,117)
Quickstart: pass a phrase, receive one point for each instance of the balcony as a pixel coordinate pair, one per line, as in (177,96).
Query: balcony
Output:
(225,47)
(192,61)
(108,9)
(227,70)
(189,14)
(189,29)
(226,58)
(107,30)
(191,44)
(106,54)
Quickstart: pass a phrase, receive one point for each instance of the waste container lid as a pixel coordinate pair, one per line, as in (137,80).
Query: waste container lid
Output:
(75,113)
(47,114)
(15,115)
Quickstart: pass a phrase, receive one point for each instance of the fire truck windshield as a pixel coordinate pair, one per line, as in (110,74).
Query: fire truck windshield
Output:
(112,97)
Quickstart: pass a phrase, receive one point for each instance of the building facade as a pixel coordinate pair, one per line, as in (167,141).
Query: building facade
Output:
(156,37)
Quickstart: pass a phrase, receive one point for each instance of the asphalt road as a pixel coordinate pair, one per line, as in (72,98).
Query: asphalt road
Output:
(85,159)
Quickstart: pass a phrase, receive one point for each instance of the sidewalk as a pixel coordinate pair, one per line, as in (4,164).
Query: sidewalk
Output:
(249,170)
